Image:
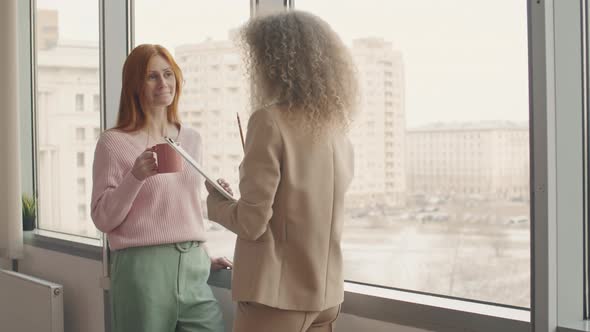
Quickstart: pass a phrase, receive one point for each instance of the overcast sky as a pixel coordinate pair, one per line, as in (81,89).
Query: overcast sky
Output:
(465,60)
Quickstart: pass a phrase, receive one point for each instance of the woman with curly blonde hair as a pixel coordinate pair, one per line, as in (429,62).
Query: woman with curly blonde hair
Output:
(298,60)
(297,166)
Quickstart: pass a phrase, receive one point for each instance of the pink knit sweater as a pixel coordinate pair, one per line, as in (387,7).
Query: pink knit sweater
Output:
(164,208)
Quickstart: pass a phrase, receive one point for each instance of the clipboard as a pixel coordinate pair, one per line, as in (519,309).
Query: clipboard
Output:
(199,168)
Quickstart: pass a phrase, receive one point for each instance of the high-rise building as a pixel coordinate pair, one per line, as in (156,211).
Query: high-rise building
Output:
(484,159)
(215,90)
(378,133)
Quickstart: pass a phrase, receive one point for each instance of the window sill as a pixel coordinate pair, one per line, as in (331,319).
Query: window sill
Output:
(499,311)
(63,243)
(581,326)
(431,312)
(419,310)
(387,305)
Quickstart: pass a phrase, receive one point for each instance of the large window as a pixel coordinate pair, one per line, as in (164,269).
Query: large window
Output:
(214,87)
(440,199)
(67,91)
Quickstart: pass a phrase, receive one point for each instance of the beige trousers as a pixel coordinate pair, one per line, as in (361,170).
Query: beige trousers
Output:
(256,317)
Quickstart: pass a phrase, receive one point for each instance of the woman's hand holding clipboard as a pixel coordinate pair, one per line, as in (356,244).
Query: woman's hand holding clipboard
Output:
(226,193)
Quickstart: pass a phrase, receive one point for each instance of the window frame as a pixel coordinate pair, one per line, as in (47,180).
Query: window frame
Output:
(553,285)
(557,241)
(586,123)
(28,103)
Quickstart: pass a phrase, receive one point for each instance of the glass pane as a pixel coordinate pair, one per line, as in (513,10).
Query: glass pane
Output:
(440,200)
(67,53)
(215,87)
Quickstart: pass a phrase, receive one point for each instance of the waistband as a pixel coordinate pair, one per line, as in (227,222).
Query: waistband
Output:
(186,246)
(180,246)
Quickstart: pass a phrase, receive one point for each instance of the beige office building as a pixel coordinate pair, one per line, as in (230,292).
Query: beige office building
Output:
(484,160)
(378,133)
(215,90)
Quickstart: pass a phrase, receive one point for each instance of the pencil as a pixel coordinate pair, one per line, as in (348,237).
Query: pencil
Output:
(240,126)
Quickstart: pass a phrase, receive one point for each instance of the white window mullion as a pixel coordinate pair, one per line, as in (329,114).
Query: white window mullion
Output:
(267,6)
(114,50)
(115,43)
(569,161)
(24,90)
(556,115)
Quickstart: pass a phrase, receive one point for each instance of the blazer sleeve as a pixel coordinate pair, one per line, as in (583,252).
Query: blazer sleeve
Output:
(260,174)
(113,190)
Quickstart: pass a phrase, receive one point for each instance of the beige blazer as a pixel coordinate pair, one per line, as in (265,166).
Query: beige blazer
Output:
(289,217)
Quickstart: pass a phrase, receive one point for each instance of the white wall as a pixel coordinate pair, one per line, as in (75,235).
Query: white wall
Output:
(83,299)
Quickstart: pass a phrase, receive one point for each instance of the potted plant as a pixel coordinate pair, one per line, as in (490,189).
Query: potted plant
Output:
(29,212)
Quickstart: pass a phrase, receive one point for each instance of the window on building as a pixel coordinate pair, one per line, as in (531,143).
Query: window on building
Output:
(80,162)
(96,103)
(81,183)
(80,134)
(82,211)
(79,102)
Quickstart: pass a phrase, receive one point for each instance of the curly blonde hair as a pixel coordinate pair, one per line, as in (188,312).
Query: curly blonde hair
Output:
(296,58)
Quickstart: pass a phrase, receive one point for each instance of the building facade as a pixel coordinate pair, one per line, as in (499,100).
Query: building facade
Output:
(485,159)
(68,126)
(378,133)
(215,91)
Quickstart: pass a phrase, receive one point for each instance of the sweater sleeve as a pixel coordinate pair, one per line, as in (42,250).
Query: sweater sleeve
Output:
(113,189)
(260,174)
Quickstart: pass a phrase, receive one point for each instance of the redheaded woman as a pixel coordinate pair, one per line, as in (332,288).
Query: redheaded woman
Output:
(153,221)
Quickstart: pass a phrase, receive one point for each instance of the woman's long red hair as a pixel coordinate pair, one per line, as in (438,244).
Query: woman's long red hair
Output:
(132,115)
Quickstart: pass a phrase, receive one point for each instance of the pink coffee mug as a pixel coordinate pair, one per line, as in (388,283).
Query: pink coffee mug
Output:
(168,160)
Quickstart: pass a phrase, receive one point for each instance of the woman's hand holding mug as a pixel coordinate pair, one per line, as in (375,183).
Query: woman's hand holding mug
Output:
(145,165)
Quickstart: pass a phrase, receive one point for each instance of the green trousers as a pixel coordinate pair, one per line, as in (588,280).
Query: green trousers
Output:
(163,289)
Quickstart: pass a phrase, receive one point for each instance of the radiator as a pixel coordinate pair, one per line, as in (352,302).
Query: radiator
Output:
(29,304)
